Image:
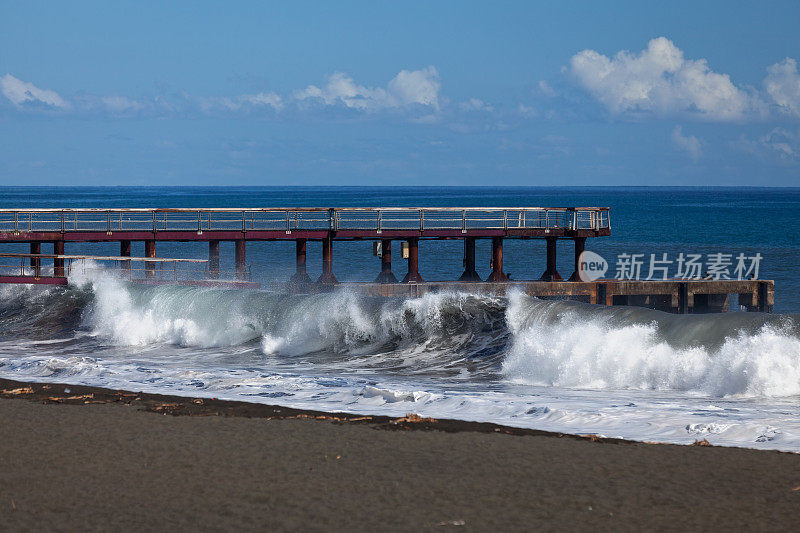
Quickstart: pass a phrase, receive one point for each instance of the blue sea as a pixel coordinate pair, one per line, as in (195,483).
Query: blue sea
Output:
(732,378)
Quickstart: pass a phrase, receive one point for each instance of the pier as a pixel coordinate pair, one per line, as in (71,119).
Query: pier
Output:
(407,227)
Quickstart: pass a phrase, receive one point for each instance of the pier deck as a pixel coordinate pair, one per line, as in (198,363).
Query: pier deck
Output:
(379,224)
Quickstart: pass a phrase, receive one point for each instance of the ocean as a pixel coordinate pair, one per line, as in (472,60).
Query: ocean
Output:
(731,378)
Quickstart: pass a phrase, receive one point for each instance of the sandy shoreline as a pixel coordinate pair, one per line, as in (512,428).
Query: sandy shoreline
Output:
(95,458)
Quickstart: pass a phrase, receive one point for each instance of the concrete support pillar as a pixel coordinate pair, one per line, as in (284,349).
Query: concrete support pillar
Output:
(150,251)
(413,262)
(58,264)
(497,274)
(580,246)
(213,259)
(327,276)
(36,263)
(469,261)
(241,259)
(125,251)
(386,275)
(551,274)
(300,276)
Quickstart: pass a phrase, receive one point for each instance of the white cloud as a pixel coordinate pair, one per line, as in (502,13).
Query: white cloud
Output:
(688,143)
(120,104)
(243,102)
(22,93)
(661,81)
(475,104)
(545,88)
(417,87)
(527,111)
(783,85)
(779,144)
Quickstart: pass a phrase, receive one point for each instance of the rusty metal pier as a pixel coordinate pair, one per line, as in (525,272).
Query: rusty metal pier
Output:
(409,226)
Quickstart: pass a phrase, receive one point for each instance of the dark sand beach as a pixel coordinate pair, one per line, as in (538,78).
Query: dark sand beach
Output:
(84,458)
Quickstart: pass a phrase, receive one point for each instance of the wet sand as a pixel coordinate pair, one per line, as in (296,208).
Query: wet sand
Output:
(97,459)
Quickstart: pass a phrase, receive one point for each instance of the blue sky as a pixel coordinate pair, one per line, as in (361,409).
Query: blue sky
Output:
(411,93)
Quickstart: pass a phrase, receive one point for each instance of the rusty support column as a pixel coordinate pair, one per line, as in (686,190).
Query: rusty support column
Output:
(551,274)
(213,259)
(327,277)
(580,246)
(413,262)
(300,276)
(150,251)
(240,259)
(58,264)
(497,274)
(469,261)
(386,275)
(36,263)
(125,251)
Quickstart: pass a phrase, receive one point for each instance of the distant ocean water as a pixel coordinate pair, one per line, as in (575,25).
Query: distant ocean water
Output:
(634,373)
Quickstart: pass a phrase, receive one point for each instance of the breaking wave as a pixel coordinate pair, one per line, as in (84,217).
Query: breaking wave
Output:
(572,345)
(516,340)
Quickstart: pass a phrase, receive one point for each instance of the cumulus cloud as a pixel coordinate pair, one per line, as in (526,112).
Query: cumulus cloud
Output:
(689,143)
(783,86)
(409,87)
(659,80)
(22,94)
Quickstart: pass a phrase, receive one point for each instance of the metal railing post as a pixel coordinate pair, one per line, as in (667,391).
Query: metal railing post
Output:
(422,220)
(463,221)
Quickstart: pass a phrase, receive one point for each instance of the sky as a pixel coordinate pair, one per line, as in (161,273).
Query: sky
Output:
(401,93)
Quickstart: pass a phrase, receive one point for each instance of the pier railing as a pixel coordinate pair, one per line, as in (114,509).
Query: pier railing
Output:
(291,219)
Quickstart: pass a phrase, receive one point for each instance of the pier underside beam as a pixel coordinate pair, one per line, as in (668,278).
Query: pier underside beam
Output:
(213,259)
(413,262)
(580,246)
(469,261)
(58,264)
(150,251)
(327,277)
(497,274)
(300,276)
(386,275)
(241,258)
(551,274)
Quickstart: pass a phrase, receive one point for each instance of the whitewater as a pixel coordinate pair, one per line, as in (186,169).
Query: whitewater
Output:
(732,378)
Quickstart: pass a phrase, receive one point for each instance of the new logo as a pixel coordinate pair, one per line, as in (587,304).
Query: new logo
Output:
(591,266)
